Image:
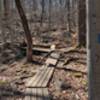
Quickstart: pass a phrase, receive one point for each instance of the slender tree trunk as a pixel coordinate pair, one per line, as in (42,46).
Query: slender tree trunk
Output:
(34,10)
(26,29)
(61,13)
(34,5)
(50,4)
(42,13)
(5,24)
(69,17)
(82,22)
(67,6)
(1,7)
(6,8)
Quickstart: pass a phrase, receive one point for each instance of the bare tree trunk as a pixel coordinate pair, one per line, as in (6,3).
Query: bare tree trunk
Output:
(34,5)
(34,10)
(1,7)
(5,24)
(67,6)
(50,4)
(42,13)
(6,8)
(26,29)
(69,12)
(82,22)
(61,13)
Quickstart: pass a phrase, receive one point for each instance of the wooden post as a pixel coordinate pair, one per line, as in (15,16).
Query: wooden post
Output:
(93,45)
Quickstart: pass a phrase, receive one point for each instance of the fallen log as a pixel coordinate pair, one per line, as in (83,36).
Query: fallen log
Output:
(43,45)
(41,50)
(72,49)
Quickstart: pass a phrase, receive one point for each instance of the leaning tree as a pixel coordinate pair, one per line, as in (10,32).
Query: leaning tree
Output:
(26,29)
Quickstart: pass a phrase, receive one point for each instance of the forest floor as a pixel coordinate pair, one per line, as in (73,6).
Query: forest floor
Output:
(69,81)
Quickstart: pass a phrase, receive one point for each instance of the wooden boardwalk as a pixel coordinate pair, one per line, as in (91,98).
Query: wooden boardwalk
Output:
(37,86)
(37,94)
(42,78)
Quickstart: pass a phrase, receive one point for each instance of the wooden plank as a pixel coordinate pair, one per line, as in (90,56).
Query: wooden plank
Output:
(41,79)
(51,61)
(38,79)
(31,80)
(45,78)
(44,50)
(34,90)
(42,94)
(55,55)
(34,81)
(45,94)
(37,94)
(28,93)
(60,64)
(66,50)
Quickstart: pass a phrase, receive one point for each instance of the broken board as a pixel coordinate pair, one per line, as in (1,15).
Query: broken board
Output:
(53,59)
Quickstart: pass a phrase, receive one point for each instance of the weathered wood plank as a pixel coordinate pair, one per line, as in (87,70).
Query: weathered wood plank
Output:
(37,94)
(47,78)
(46,94)
(51,61)
(38,79)
(34,81)
(60,64)
(41,79)
(55,55)
(34,90)
(28,93)
(44,50)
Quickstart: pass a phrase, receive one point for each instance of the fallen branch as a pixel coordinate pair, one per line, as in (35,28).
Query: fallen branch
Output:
(72,49)
(71,70)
